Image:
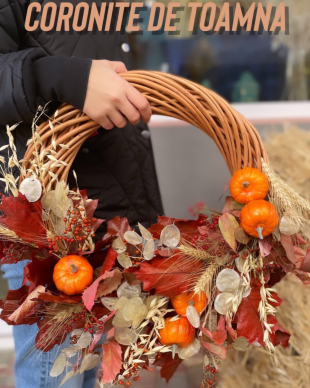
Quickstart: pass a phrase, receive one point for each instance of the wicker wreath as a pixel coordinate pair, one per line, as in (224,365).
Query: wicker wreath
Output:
(236,138)
(199,269)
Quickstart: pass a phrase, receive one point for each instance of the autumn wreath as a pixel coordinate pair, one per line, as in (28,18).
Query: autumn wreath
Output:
(158,295)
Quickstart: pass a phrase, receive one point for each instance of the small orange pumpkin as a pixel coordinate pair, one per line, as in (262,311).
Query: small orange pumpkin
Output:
(72,274)
(182,301)
(259,218)
(248,184)
(179,332)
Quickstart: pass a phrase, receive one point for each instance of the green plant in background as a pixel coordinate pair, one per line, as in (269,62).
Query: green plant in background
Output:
(246,89)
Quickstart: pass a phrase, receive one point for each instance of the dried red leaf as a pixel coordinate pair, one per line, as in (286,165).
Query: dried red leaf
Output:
(27,307)
(265,246)
(287,243)
(109,285)
(305,266)
(218,351)
(111,360)
(13,300)
(116,226)
(40,272)
(218,337)
(168,365)
(59,298)
(90,292)
(24,218)
(169,277)
(109,261)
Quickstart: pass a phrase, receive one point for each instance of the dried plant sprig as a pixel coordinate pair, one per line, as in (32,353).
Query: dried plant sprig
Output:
(146,344)
(286,367)
(265,309)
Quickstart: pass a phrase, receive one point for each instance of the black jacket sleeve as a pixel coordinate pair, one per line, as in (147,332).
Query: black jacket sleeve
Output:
(31,77)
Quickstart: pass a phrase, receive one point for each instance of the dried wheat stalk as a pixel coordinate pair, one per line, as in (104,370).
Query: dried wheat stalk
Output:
(204,283)
(194,253)
(286,200)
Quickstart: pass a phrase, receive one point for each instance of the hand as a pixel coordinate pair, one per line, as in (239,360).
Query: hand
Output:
(112,101)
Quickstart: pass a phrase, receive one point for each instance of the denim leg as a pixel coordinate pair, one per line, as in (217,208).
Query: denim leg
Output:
(32,366)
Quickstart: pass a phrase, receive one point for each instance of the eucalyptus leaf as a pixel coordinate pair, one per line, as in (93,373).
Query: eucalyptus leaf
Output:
(67,377)
(84,340)
(124,260)
(144,232)
(132,237)
(148,250)
(70,351)
(59,365)
(170,236)
(129,291)
(109,302)
(193,316)
(90,361)
(118,245)
(125,336)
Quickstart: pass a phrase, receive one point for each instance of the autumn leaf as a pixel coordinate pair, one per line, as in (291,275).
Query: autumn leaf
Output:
(109,261)
(168,365)
(232,206)
(111,360)
(241,236)
(228,225)
(13,300)
(169,277)
(287,243)
(40,272)
(90,208)
(216,350)
(27,306)
(188,228)
(59,298)
(218,337)
(109,285)
(116,226)
(24,218)
(90,292)
(265,246)
(305,266)
(248,321)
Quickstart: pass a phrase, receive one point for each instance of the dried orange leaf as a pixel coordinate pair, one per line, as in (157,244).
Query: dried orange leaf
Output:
(228,225)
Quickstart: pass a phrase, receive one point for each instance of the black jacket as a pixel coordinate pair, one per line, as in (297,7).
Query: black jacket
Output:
(115,166)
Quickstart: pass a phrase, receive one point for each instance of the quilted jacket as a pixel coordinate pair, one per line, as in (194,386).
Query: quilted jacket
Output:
(115,166)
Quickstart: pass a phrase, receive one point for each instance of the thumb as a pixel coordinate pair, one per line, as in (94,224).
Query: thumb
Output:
(118,67)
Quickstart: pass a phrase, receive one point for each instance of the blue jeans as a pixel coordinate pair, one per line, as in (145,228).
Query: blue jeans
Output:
(32,366)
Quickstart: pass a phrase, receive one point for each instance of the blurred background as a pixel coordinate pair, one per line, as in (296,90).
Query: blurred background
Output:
(266,78)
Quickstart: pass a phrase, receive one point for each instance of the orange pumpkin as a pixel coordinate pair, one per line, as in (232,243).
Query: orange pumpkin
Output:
(182,301)
(248,184)
(259,218)
(179,332)
(72,274)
